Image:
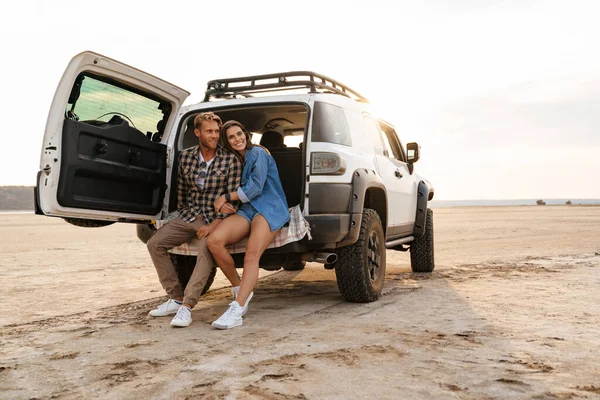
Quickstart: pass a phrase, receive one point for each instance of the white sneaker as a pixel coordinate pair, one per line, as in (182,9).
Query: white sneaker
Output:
(231,318)
(167,308)
(235,291)
(183,317)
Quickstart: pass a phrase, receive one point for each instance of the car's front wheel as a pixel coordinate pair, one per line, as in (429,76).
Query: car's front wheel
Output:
(360,268)
(421,249)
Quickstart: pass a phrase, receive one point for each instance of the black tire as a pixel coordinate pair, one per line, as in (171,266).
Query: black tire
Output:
(184,265)
(360,268)
(421,249)
(294,265)
(88,223)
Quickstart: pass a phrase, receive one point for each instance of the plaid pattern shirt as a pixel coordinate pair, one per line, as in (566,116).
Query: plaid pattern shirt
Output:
(223,176)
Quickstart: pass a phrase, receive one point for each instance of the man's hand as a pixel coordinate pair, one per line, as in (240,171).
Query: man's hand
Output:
(227,208)
(204,231)
(219,203)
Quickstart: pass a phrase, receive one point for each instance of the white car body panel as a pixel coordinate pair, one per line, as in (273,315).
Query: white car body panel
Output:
(51,150)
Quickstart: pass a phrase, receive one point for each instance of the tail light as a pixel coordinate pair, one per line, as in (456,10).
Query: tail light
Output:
(327,164)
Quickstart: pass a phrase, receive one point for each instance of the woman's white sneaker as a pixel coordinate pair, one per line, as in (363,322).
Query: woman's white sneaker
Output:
(183,317)
(231,318)
(169,307)
(235,291)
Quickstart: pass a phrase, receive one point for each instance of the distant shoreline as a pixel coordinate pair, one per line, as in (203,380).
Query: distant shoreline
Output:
(511,202)
(433,204)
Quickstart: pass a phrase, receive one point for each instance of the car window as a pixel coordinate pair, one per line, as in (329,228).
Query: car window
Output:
(98,101)
(375,136)
(330,125)
(392,142)
(291,141)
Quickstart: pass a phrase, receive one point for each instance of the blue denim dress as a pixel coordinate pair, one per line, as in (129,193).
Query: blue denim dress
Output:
(261,188)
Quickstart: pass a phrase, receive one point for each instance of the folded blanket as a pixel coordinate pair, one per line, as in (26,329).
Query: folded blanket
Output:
(293,231)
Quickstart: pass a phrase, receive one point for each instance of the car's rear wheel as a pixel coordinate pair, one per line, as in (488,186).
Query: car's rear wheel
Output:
(294,265)
(360,268)
(421,249)
(184,265)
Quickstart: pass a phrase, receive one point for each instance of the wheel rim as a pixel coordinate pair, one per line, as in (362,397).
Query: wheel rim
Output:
(374,258)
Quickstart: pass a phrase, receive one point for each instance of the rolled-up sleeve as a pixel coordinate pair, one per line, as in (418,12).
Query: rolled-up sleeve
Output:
(253,187)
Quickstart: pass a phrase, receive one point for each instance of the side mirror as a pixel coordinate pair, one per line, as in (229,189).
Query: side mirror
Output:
(412,154)
(413,151)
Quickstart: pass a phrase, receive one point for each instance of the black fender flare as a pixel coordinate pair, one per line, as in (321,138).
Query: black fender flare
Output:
(362,180)
(425,193)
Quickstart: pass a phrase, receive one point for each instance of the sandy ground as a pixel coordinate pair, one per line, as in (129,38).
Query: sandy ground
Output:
(512,310)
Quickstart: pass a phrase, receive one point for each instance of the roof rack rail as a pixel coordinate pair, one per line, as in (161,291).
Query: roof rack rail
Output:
(248,85)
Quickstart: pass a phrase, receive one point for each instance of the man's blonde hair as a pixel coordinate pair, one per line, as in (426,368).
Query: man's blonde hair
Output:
(206,116)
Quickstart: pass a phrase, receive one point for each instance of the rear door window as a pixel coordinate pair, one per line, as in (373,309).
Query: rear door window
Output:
(330,125)
(97,102)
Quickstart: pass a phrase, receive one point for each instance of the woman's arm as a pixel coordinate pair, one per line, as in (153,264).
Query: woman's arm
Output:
(253,187)
(223,199)
(234,178)
(259,170)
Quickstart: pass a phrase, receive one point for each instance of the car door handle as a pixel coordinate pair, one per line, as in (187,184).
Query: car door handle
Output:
(398,174)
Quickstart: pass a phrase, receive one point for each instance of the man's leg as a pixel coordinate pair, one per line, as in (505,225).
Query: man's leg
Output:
(202,269)
(172,234)
(199,277)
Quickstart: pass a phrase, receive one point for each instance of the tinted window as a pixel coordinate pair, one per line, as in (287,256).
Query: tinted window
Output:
(392,142)
(330,125)
(99,101)
(374,135)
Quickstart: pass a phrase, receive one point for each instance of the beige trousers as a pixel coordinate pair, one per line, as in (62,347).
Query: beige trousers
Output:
(173,234)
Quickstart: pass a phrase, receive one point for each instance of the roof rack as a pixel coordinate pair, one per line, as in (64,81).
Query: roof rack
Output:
(249,85)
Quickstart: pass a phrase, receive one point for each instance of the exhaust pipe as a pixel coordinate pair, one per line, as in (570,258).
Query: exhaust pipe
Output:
(320,257)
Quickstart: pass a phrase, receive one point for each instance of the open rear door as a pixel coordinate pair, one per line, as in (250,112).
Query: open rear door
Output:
(103,156)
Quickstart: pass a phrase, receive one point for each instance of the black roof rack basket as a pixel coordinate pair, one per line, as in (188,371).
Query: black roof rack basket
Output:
(249,85)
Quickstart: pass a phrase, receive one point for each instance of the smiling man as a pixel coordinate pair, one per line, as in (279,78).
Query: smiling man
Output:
(206,172)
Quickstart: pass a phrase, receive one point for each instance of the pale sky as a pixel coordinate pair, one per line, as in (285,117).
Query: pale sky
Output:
(503,96)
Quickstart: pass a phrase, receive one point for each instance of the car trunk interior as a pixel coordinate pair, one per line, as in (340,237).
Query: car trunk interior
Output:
(287,120)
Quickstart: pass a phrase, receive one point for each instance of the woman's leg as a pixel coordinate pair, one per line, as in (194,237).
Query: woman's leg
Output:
(231,230)
(260,237)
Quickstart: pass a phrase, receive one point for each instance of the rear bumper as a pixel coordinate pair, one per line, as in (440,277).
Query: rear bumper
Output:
(328,228)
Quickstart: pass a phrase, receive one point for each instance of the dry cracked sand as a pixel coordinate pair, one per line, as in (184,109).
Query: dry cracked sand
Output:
(512,310)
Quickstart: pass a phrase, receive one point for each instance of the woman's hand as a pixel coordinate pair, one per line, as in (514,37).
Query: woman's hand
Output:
(204,231)
(227,208)
(219,203)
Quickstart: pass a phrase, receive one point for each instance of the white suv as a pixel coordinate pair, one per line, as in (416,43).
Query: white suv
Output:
(114,134)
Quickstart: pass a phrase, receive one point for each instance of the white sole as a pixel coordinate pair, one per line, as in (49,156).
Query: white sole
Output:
(162,315)
(180,325)
(219,326)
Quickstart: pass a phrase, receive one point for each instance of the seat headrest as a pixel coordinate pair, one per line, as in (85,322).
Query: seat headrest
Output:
(271,140)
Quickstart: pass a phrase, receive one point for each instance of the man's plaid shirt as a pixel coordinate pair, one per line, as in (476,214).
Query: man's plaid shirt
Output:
(223,176)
